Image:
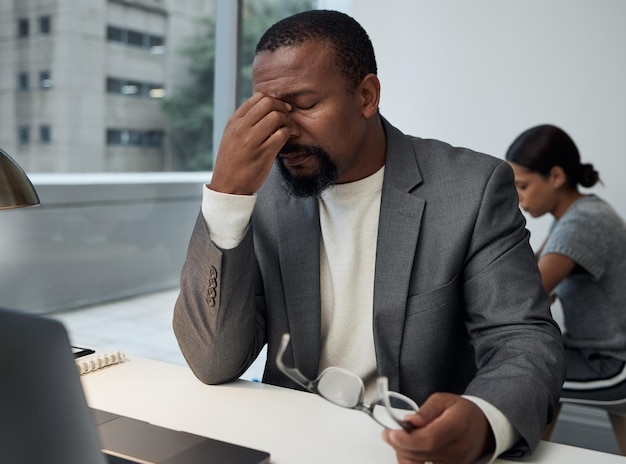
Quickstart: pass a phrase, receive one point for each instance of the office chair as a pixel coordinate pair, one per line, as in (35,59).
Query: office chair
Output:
(611,399)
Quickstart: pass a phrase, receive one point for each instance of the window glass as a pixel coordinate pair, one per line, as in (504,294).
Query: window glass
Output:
(45,80)
(45,134)
(114,85)
(189,108)
(115,34)
(135,38)
(156,91)
(23,81)
(22,27)
(156,44)
(257,16)
(44,25)
(23,134)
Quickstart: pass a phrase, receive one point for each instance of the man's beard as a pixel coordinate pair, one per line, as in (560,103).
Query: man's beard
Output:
(308,185)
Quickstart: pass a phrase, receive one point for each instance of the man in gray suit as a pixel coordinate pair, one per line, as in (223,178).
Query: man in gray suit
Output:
(384,254)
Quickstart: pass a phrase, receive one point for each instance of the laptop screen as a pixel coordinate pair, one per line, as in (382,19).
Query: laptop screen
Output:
(44,416)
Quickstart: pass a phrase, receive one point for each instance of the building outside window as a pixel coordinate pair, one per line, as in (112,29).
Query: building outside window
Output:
(22,27)
(45,134)
(23,81)
(45,80)
(44,25)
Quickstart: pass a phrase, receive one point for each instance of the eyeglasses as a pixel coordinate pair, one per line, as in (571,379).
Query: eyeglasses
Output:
(343,388)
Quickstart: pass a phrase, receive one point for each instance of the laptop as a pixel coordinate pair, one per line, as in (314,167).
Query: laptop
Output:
(45,419)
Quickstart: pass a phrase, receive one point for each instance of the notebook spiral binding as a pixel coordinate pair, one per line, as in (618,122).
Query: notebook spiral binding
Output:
(94,362)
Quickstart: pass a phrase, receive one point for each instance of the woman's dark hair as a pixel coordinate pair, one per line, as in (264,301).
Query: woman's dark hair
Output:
(540,148)
(354,53)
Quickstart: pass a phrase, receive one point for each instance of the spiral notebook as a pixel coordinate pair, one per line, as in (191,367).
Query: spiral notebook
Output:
(97,359)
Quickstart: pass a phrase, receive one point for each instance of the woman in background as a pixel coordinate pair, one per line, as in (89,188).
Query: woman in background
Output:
(582,261)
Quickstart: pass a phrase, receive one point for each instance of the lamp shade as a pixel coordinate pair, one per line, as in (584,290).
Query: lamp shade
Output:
(16,190)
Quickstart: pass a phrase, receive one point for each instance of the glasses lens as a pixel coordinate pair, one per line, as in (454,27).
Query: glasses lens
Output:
(340,387)
(392,418)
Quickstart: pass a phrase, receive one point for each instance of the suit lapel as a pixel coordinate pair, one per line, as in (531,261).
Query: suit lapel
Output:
(299,251)
(398,231)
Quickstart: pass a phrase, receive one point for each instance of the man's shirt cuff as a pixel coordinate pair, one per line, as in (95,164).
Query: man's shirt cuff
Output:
(503,431)
(227,216)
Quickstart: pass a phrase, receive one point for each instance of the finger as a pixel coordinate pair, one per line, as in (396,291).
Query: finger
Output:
(246,106)
(460,433)
(274,125)
(257,107)
(404,454)
(258,120)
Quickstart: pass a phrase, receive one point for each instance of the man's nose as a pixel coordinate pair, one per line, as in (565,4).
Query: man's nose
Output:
(294,129)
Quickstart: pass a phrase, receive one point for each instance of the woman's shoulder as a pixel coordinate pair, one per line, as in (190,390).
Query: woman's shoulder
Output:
(591,215)
(592,207)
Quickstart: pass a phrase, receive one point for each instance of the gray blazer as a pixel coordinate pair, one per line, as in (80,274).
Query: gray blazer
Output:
(458,301)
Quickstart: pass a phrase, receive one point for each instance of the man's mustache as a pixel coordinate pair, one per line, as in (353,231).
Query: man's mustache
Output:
(301,149)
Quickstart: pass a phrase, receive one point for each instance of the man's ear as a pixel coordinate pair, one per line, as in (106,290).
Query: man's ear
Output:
(558,178)
(369,92)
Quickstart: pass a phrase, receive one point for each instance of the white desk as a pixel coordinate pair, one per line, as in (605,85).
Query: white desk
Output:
(295,427)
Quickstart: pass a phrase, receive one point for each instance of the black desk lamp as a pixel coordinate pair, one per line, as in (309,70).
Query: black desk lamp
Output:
(16,190)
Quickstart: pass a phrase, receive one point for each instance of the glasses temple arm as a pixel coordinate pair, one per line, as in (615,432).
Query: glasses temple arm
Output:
(291,372)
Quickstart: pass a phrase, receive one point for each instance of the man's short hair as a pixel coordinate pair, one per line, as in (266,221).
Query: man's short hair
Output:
(354,53)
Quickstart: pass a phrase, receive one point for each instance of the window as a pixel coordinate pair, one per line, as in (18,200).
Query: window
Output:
(136,138)
(44,25)
(23,135)
(154,43)
(156,91)
(114,85)
(22,27)
(135,38)
(153,138)
(134,88)
(45,80)
(115,34)
(23,81)
(131,88)
(45,134)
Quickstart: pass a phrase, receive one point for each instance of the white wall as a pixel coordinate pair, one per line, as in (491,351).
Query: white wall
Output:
(478,73)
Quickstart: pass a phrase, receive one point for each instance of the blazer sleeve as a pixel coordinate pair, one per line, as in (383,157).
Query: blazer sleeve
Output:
(218,344)
(518,347)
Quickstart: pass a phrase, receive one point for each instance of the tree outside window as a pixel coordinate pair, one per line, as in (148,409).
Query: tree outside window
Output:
(190,110)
